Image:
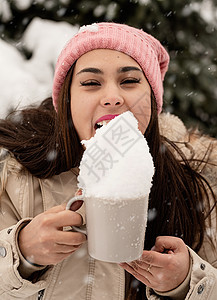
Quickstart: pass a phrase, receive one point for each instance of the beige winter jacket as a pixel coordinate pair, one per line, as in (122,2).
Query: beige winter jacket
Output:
(80,277)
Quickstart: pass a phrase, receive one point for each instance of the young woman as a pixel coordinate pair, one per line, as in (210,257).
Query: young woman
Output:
(106,69)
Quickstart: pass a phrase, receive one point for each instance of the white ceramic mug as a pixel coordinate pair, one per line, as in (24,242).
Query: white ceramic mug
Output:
(115,228)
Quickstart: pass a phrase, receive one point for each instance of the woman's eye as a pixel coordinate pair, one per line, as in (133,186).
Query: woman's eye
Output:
(90,83)
(130,81)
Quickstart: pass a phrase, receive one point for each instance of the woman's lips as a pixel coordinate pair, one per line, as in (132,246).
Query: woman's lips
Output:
(106,117)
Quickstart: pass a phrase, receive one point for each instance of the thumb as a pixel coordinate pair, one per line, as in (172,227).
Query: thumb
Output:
(167,244)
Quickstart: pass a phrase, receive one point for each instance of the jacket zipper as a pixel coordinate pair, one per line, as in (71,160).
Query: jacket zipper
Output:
(40,294)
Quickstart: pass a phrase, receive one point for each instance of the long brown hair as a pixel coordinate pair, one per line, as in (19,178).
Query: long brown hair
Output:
(46,143)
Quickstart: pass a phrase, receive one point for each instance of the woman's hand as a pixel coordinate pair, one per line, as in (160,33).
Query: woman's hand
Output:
(43,240)
(164,267)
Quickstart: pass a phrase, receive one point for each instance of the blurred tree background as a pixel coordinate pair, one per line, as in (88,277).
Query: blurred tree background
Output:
(187,28)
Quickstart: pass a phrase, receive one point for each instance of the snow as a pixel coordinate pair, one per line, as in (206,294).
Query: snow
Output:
(206,9)
(116,163)
(66,2)
(26,81)
(5,11)
(29,81)
(111,11)
(99,10)
(208,12)
(22,5)
(92,28)
(144,2)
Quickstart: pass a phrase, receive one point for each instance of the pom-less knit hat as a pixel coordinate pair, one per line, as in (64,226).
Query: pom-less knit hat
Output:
(142,47)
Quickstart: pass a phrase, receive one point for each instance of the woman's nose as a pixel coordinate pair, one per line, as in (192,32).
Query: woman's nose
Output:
(112,101)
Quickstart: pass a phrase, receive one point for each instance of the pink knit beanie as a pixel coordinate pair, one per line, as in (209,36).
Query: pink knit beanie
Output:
(142,47)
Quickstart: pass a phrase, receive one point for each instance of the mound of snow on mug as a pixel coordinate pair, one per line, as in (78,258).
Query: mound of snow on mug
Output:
(116,163)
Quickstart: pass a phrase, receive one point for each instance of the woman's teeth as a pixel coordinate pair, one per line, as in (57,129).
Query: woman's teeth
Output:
(102,123)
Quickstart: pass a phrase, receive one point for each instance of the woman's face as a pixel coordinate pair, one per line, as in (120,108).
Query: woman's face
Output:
(106,83)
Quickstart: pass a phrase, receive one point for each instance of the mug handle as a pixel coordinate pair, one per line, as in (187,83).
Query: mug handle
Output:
(82,228)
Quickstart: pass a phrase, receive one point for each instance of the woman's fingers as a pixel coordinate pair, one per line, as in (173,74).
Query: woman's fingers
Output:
(64,249)
(56,209)
(70,238)
(153,258)
(63,219)
(163,270)
(43,239)
(144,278)
(164,244)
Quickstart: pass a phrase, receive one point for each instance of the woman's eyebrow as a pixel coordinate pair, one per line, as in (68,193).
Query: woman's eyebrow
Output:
(128,68)
(90,70)
(98,71)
